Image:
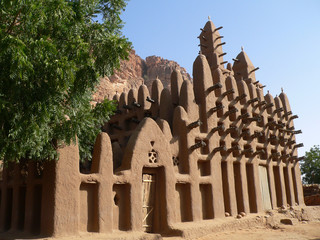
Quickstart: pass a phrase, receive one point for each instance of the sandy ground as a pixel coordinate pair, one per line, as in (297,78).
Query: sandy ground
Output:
(310,231)
(298,231)
(300,223)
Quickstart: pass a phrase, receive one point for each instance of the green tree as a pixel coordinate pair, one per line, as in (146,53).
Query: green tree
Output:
(310,166)
(52,53)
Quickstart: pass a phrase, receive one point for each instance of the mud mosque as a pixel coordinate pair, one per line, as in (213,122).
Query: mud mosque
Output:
(213,149)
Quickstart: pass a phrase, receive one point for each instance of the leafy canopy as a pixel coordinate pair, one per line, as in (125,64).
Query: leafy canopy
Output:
(52,53)
(310,166)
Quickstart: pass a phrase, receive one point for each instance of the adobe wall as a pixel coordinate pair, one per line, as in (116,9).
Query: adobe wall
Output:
(233,146)
(201,151)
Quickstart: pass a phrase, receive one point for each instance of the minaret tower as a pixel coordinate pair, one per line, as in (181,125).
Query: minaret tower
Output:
(211,45)
(243,68)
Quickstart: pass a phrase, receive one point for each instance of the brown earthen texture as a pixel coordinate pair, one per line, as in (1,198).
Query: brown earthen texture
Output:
(136,71)
(311,189)
(312,200)
(311,194)
(213,149)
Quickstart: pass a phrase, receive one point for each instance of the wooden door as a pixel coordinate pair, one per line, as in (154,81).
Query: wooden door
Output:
(264,185)
(148,196)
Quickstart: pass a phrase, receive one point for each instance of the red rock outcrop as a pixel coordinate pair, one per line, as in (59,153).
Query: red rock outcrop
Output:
(136,71)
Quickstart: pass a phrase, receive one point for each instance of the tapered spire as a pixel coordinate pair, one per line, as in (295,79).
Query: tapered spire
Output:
(243,67)
(211,45)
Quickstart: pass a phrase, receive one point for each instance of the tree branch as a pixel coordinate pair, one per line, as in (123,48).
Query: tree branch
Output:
(14,21)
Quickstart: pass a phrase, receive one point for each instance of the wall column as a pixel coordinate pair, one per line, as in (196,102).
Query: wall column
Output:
(67,192)
(283,187)
(217,189)
(257,188)
(272,185)
(299,188)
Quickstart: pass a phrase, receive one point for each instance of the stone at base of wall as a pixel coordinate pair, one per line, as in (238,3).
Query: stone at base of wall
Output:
(312,200)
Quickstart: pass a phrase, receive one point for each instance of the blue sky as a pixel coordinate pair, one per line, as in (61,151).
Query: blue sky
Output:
(282,38)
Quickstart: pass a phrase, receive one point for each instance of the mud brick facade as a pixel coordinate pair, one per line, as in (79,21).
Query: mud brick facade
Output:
(212,149)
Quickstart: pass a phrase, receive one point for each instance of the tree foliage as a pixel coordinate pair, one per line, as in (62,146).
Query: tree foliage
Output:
(310,166)
(52,53)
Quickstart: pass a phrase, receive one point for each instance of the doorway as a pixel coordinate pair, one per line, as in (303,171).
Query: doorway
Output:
(153,200)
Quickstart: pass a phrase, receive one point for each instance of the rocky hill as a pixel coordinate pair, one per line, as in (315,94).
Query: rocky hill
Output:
(136,71)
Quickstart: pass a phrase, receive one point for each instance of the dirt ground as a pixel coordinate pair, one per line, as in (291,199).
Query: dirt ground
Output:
(298,231)
(301,231)
(294,224)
